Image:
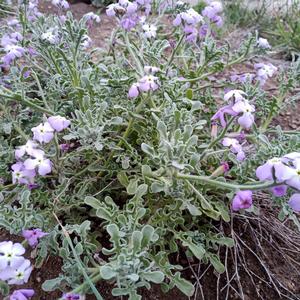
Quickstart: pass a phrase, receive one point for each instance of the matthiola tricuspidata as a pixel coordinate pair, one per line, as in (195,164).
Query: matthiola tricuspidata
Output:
(117,159)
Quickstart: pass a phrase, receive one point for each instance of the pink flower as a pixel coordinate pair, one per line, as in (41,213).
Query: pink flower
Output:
(43,133)
(32,236)
(58,123)
(220,114)
(242,200)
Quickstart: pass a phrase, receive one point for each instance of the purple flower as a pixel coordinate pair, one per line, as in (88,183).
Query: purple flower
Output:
(17,275)
(43,133)
(29,148)
(244,107)
(203,30)
(23,294)
(234,144)
(58,123)
(129,22)
(70,296)
(264,71)
(90,18)
(32,236)
(191,33)
(243,78)
(235,147)
(220,114)
(61,4)
(147,83)
(22,175)
(242,200)
(279,190)
(266,171)
(294,202)
(11,254)
(236,95)
(12,52)
(133,91)
(64,147)
(189,17)
(43,164)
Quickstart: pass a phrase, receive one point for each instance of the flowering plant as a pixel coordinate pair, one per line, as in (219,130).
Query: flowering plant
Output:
(131,144)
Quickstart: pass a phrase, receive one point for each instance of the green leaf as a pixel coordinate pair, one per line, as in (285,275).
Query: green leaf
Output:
(103,213)
(136,240)
(4,288)
(197,250)
(147,233)
(52,284)
(155,276)
(93,202)
(148,150)
(107,272)
(215,261)
(123,179)
(189,94)
(183,285)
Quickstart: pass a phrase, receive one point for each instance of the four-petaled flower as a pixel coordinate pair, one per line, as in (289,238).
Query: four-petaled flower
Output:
(242,200)
(10,254)
(43,132)
(33,235)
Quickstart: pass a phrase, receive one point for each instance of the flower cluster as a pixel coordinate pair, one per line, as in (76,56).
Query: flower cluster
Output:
(195,25)
(70,296)
(24,171)
(9,43)
(264,71)
(239,107)
(212,12)
(14,268)
(90,18)
(284,171)
(147,83)
(235,147)
(127,12)
(61,4)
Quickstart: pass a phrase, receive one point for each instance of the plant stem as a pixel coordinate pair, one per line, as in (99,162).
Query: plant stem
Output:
(93,278)
(173,53)
(226,185)
(132,54)
(215,141)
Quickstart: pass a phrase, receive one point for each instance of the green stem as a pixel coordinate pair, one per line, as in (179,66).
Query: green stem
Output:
(40,89)
(93,278)
(271,115)
(173,53)
(215,141)
(132,54)
(27,102)
(226,185)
